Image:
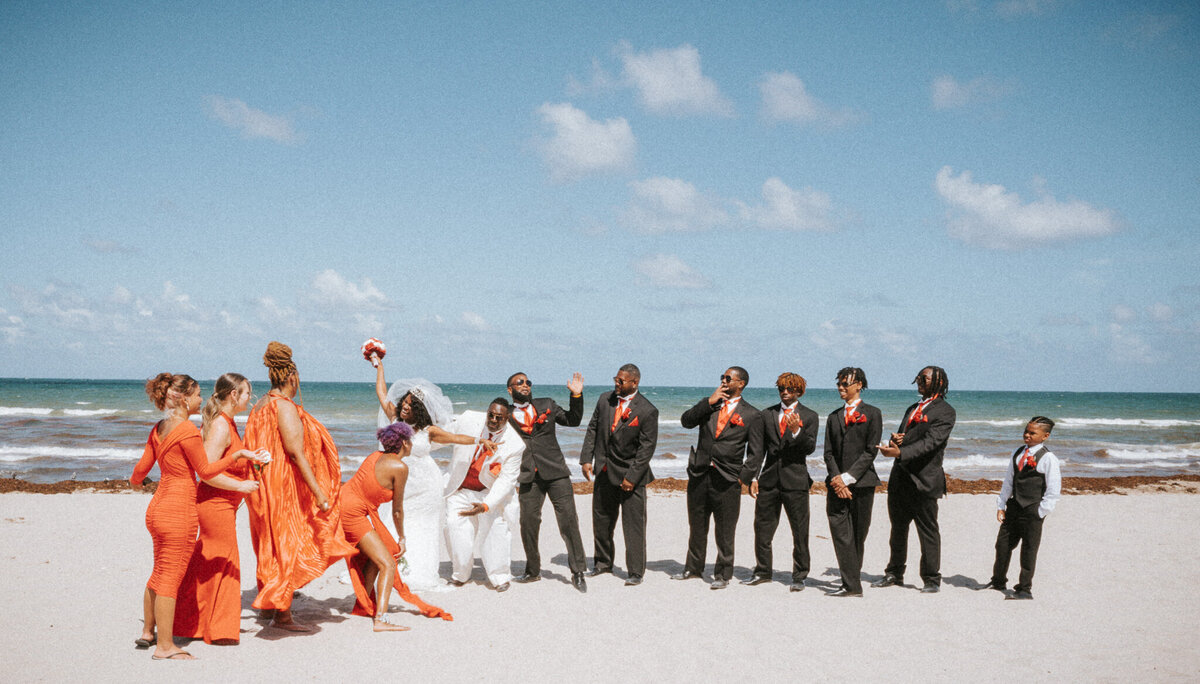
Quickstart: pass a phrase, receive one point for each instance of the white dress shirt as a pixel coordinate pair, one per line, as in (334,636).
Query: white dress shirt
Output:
(1049,466)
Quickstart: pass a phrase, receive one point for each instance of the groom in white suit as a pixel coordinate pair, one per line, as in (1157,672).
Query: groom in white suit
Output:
(478,488)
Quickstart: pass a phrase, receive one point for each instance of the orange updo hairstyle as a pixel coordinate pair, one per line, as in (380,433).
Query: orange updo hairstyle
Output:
(166,390)
(793,382)
(278,360)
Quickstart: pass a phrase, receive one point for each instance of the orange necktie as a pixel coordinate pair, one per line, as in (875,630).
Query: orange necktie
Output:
(783,419)
(1027,460)
(621,404)
(723,419)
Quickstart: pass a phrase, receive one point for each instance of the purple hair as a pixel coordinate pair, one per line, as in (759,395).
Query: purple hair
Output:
(394,437)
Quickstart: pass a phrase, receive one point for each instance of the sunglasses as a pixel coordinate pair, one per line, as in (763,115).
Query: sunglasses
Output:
(842,384)
(521,381)
(727,378)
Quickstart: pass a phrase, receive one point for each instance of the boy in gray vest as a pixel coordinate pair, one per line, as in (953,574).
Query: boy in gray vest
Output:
(1032,486)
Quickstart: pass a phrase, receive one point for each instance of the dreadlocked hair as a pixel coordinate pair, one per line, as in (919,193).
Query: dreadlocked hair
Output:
(939,383)
(853,374)
(278,360)
(793,382)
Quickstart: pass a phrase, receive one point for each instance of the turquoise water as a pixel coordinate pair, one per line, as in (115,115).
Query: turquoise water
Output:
(54,430)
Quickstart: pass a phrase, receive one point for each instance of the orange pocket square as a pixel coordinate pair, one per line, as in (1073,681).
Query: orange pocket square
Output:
(634,422)
(494,469)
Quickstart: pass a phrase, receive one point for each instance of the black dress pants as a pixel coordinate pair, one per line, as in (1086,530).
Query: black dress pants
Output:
(766,520)
(608,502)
(532,495)
(711,495)
(907,505)
(849,522)
(1021,526)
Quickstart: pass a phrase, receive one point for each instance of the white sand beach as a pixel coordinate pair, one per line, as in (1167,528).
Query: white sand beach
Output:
(1117,597)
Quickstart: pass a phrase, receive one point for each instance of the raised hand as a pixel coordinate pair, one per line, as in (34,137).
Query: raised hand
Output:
(576,384)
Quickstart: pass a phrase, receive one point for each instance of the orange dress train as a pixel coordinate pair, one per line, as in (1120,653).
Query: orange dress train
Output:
(294,541)
(361,498)
(209,605)
(171,516)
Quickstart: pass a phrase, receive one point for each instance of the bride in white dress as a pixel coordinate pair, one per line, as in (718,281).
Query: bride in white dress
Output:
(422,405)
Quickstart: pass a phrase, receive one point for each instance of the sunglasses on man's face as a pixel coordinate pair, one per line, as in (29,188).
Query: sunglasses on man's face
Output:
(726,378)
(842,384)
(520,381)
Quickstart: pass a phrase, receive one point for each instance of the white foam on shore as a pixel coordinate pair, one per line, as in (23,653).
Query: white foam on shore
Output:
(1125,452)
(1125,422)
(89,412)
(16,454)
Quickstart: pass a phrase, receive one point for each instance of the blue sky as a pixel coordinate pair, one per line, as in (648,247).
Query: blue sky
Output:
(1010,190)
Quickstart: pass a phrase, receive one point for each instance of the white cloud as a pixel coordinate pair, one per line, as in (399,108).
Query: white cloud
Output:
(991,216)
(581,145)
(668,270)
(1126,346)
(1123,314)
(948,93)
(475,322)
(784,98)
(670,81)
(847,338)
(786,209)
(662,205)
(332,291)
(599,81)
(108,246)
(1023,8)
(252,123)
(1161,312)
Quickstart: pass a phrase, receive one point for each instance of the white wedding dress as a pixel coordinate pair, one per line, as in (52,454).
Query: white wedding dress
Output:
(424,517)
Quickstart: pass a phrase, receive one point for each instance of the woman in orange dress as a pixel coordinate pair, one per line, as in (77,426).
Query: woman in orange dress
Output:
(295,522)
(209,605)
(175,444)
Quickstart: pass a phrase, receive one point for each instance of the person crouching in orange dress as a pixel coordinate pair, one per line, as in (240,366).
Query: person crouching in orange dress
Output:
(295,522)
(209,605)
(175,444)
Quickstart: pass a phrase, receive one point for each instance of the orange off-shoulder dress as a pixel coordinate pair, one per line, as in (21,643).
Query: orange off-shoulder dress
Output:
(295,541)
(171,516)
(209,605)
(361,498)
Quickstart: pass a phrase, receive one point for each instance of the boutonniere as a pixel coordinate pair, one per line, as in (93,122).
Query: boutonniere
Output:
(857,418)
(542,418)
(632,423)
(919,418)
(736,419)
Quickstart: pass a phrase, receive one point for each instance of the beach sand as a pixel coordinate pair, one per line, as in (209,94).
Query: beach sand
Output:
(1117,597)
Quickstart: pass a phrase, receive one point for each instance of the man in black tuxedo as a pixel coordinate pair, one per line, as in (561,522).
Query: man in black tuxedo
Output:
(544,473)
(852,435)
(729,452)
(620,441)
(917,479)
(789,436)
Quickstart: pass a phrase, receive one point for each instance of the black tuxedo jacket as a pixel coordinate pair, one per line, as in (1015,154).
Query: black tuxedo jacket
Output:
(924,448)
(626,451)
(852,448)
(785,466)
(738,454)
(542,453)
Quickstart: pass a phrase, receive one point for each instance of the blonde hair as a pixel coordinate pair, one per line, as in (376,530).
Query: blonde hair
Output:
(165,389)
(278,360)
(225,386)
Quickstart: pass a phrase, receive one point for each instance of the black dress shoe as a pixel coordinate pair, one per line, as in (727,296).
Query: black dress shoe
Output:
(845,593)
(598,571)
(686,574)
(454,583)
(887,581)
(930,588)
(527,578)
(796,586)
(756,580)
(578,582)
(994,586)
(1019,596)
(501,588)
(719,584)
(633,580)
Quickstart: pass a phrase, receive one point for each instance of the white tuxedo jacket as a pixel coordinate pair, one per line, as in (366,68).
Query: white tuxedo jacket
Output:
(499,472)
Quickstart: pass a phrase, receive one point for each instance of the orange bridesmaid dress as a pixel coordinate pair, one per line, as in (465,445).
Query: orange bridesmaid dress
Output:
(294,540)
(171,516)
(361,498)
(209,605)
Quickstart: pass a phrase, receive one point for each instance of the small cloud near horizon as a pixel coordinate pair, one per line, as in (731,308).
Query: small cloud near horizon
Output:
(669,271)
(250,122)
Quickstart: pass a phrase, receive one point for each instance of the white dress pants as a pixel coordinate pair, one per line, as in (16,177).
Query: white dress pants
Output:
(487,532)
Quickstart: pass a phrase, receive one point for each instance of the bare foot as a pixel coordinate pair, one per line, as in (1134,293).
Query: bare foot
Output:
(283,620)
(382,625)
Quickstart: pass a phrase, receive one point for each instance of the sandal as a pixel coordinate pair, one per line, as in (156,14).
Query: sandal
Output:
(144,643)
(174,656)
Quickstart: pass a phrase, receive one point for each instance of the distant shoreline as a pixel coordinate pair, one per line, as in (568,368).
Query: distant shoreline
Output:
(1119,485)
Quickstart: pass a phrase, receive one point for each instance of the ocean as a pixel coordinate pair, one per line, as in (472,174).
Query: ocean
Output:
(52,430)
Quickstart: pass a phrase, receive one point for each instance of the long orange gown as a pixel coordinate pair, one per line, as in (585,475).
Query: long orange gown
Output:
(295,542)
(209,605)
(361,498)
(171,516)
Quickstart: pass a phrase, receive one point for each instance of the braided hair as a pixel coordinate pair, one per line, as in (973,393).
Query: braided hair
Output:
(853,374)
(939,384)
(1042,422)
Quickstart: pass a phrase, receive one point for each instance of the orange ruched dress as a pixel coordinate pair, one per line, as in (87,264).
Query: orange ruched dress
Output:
(171,516)
(361,498)
(295,542)
(209,605)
